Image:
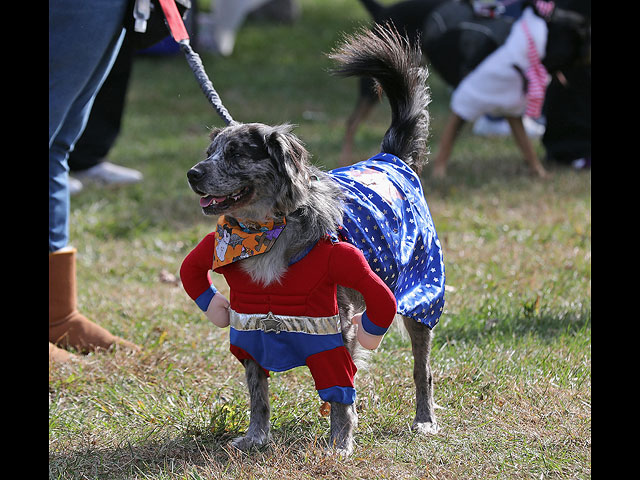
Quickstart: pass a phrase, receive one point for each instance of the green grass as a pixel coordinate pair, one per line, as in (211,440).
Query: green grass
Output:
(511,354)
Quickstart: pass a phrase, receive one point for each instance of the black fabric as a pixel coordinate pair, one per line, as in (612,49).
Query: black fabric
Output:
(567,109)
(456,40)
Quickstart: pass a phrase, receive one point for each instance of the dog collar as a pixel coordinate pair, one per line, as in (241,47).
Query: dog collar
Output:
(238,240)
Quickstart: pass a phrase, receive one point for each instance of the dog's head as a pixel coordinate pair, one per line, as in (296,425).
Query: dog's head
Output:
(569,37)
(252,171)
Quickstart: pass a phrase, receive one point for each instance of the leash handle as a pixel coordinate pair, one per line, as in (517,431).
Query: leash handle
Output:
(176,25)
(180,35)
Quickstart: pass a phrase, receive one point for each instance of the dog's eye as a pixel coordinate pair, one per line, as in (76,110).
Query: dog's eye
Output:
(233,152)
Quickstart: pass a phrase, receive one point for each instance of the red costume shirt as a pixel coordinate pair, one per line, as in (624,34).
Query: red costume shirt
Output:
(295,321)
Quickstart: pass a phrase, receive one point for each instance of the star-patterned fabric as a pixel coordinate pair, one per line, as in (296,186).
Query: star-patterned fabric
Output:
(387,218)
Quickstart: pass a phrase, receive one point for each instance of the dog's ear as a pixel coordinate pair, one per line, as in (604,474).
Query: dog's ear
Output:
(283,145)
(291,159)
(214,133)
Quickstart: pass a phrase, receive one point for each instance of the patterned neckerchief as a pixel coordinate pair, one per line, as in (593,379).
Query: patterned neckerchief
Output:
(235,242)
(536,76)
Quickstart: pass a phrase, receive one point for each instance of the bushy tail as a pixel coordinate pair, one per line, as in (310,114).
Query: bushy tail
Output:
(387,56)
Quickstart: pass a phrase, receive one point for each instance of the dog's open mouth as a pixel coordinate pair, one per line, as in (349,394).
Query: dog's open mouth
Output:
(213,204)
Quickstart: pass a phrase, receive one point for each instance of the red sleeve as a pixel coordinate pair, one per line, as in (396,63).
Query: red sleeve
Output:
(194,272)
(348,267)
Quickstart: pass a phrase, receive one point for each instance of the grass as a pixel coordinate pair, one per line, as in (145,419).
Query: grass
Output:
(511,354)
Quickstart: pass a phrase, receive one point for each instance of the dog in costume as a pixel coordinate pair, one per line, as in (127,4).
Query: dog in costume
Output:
(319,263)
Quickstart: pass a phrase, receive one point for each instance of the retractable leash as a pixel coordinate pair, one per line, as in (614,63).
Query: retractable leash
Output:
(180,35)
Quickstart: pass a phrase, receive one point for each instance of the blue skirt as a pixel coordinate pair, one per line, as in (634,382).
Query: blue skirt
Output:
(387,217)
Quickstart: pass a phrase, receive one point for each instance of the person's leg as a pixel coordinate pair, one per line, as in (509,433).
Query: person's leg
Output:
(84,39)
(87,161)
(103,125)
(83,42)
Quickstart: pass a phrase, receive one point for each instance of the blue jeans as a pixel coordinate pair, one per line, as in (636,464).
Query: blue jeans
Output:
(84,40)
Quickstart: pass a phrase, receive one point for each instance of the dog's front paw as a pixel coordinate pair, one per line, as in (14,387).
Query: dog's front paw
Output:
(340,446)
(248,441)
(425,428)
(339,452)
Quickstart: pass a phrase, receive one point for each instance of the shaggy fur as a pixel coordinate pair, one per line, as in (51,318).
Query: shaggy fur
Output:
(255,172)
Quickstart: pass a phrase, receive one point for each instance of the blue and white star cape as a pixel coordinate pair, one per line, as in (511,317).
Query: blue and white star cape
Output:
(387,218)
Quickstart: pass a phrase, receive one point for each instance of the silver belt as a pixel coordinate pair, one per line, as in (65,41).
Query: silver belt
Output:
(284,323)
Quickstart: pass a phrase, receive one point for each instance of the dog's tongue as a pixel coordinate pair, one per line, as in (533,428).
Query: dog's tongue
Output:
(209,199)
(206,201)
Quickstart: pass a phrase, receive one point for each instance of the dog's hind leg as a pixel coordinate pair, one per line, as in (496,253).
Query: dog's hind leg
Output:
(258,385)
(420,334)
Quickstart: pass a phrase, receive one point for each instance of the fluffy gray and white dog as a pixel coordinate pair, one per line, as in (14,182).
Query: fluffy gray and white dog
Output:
(254,172)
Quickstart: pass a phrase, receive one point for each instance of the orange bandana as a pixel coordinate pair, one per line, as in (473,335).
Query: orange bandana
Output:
(234,243)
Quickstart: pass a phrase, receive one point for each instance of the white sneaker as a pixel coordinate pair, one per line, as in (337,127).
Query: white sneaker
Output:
(75,186)
(485,127)
(582,163)
(110,174)
(534,129)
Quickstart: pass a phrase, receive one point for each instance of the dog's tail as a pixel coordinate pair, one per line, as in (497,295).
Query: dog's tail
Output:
(387,56)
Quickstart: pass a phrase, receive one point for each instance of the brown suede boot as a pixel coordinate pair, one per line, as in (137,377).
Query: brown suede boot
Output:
(58,355)
(67,326)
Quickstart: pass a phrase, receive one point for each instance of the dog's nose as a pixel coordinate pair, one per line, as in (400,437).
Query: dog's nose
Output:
(195,174)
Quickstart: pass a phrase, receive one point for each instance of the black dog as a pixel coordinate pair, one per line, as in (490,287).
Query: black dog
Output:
(408,18)
(455,40)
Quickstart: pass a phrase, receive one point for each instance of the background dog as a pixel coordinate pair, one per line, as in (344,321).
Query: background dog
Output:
(255,172)
(409,18)
(455,40)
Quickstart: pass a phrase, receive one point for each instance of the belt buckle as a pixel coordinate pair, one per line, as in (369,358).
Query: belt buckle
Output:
(271,324)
